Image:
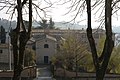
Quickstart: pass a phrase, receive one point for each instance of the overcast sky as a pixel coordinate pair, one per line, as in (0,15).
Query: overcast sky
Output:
(57,13)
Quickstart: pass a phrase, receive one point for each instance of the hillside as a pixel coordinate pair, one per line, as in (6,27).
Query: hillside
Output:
(7,24)
(116,29)
(61,25)
(64,25)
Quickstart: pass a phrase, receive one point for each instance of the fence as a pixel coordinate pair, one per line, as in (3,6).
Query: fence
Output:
(61,74)
(28,72)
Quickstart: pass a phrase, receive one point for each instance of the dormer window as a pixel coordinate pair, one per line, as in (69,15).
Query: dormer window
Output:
(46,46)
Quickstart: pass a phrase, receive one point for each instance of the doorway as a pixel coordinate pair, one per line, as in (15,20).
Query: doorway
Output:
(46,59)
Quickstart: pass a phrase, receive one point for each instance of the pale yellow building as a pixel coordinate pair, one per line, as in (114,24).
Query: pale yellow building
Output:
(45,48)
(5,53)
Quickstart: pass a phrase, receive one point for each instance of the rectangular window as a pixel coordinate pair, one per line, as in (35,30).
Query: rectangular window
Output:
(1,51)
(46,59)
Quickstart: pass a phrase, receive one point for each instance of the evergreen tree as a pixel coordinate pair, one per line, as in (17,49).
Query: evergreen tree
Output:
(2,34)
(43,23)
(51,24)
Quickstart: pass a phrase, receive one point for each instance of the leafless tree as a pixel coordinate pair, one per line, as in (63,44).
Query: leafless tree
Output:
(19,39)
(20,35)
(100,62)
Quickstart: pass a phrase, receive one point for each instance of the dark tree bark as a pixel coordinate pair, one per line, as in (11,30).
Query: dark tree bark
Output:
(14,39)
(19,39)
(101,62)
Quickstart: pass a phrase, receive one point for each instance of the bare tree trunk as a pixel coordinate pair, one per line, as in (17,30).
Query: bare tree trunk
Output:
(19,39)
(76,62)
(90,36)
(101,62)
(14,42)
(109,44)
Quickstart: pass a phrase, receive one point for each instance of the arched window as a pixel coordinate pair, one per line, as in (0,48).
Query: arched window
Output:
(46,46)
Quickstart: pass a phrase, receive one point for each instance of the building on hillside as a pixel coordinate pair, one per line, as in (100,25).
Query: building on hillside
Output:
(45,44)
(4,53)
(45,48)
(6,57)
(48,42)
(81,34)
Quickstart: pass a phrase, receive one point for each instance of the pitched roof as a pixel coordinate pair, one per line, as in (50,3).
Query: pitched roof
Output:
(44,36)
(31,41)
(4,46)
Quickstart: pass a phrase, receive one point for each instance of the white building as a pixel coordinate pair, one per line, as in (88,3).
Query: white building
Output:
(45,45)
(45,48)
(5,54)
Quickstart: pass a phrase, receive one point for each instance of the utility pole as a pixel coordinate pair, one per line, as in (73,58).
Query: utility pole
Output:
(9,51)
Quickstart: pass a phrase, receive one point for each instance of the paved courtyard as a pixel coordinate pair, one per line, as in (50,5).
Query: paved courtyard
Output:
(43,73)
